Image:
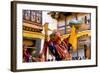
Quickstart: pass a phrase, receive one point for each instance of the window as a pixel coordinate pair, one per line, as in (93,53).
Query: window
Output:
(32,16)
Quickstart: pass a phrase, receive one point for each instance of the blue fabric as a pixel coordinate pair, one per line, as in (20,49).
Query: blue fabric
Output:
(54,52)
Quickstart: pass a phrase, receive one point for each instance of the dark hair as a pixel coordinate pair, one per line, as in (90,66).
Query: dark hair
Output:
(52,36)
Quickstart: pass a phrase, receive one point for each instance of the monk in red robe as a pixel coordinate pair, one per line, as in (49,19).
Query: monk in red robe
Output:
(59,46)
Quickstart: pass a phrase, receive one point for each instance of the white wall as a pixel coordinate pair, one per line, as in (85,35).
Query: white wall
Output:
(48,19)
(5,37)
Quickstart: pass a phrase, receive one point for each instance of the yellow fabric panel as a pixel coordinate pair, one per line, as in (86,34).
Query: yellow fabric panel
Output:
(87,32)
(33,34)
(73,38)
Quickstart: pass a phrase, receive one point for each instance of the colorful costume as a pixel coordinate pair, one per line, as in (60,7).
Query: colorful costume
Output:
(53,50)
(26,56)
(59,49)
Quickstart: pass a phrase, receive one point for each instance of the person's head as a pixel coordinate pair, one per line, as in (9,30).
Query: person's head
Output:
(55,36)
(57,33)
(52,36)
